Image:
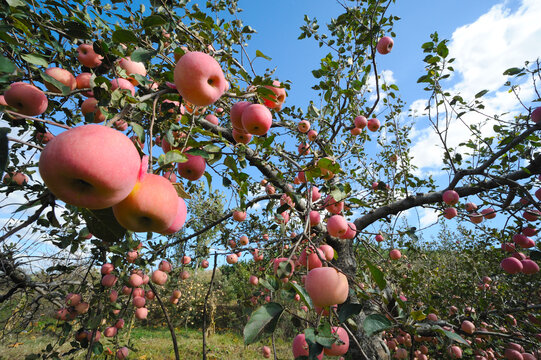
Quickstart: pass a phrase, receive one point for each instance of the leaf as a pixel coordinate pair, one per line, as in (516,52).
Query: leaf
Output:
(4,149)
(418,315)
(262,320)
(375,323)
(125,36)
(6,66)
(103,225)
(270,283)
(261,55)
(180,191)
(35,59)
(175,156)
(450,335)
(348,310)
(154,20)
(198,152)
(77,30)
(28,205)
(534,255)
(512,71)
(480,93)
(97,348)
(142,55)
(324,335)
(248,30)
(64,90)
(138,130)
(377,275)
(16,3)
(303,294)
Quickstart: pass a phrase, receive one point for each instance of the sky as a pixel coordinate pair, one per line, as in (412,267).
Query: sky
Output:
(486,37)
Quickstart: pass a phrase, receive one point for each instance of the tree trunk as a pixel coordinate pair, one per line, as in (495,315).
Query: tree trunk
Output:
(372,347)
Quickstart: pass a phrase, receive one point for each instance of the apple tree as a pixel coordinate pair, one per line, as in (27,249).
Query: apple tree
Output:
(121,121)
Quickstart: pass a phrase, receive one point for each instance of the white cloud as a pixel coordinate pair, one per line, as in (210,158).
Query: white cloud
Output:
(484,49)
(427,217)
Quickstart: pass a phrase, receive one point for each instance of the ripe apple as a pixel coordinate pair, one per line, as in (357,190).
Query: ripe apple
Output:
(241,136)
(315,218)
(304,149)
(184,275)
(84,172)
(141,313)
(275,101)
(123,84)
(107,268)
(253,280)
(199,78)
(244,240)
(470,207)
(165,266)
(450,197)
(132,256)
(151,206)
(373,124)
(193,168)
(449,213)
(395,254)
(236,115)
(300,347)
(256,119)
(132,67)
(536,115)
(119,324)
(239,215)
(326,286)
(468,327)
(328,251)
(270,190)
(26,99)
(360,122)
(511,265)
(312,135)
(150,295)
(304,126)
(385,45)
(110,331)
(109,280)
(185,260)
(355,131)
(276,264)
(89,106)
(489,213)
(83,82)
(476,218)
(3,101)
(204,264)
(88,57)
(138,301)
(135,280)
(333,206)
(379,238)
(180,218)
(16,177)
(455,352)
(212,119)
(159,277)
(351,232)
(231,258)
(529,266)
(61,75)
(338,349)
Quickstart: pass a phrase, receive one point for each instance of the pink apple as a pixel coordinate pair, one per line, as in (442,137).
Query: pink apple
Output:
(351,232)
(360,122)
(253,280)
(236,115)
(450,197)
(212,119)
(373,124)
(511,265)
(470,207)
(138,301)
(90,106)
(199,78)
(123,84)
(304,126)
(312,135)
(239,215)
(204,264)
(141,313)
(536,115)
(337,225)
(61,75)
(83,82)
(16,177)
(26,99)
(135,280)
(355,131)
(395,254)
(132,67)
(88,57)
(315,218)
(379,238)
(193,168)
(338,349)
(449,213)
(180,218)
(300,347)
(241,136)
(275,101)
(529,266)
(326,286)
(231,258)
(44,138)
(165,266)
(489,213)
(84,172)
(159,277)
(333,206)
(476,218)
(109,280)
(385,45)
(107,268)
(256,119)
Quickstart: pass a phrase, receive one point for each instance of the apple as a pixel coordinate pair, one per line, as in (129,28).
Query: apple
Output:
(351,232)
(449,213)
(88,57)
(159,277)
(113,295)
(468,327)
(315,218)
(132,67)
(476,218)
(231,259)
(138,301)
(536,115)
(312,135)
(385,45)
(176,294)
(141,313)
(107,268)
(328,251)
(270,190)
(236,115)
(204,264)
(180,218)
(185,260)
(511,265)
(276,264)
(212,119)
(395,254)
(300,347)
(338,348)
(253,280)
(244,240)
(61,75)
(304,149)
(333,206)
(241,136)
(239,215)
(256,119)
(373,124)
(152,205)
(131,256)
(16,177)
(315,194)
(84,172)
(304,126)
(450,197)
(184,275)
(119,324)
(193,168)
(3,101)
(529,231)
(455,352)
(275,101)
(529,267)
(122,84)
(199,78)
(26,99)
(150,295)
(110,331)
(355,131)
(90,105)
(109,280)
(470,207)
(135,280)
(489,213)
(360,122)
(379,238)
(326,286)
(73,299)
(83,82)
(266,352)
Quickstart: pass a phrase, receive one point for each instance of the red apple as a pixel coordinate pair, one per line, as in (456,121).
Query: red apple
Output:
(180,218)
(511,265)
(26,99)
(304,126)
(83,82)
(300,347)
(236,115)
(395,254)
(241,136)
(275,101)
(338,349)
(256,119)
(326,286)
(85,172)
(536,115)
(192,169)
(312,135)
(89,106)
(450,197)
(385,45)
(373,124)
(199,78)
(61,75)
(122,84)
(239,215)
(449,213)
(360,122)
(132,67)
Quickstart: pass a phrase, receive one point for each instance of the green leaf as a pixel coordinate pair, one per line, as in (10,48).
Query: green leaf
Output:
(138,130)
(142,55)
(418,315)
(4,149)
(16,3)
(534,255)
(261,55)
(348,310)
(442,50)
(6,66)
(512,71)
(125,36)
(451,335)
(270,283)
(28,205)
(324,335)
(154,20)
(97,348)
(103,225)
(262,320)
(64,90)
(377,275)
(375,323)
(303,294)
(248,30)
(77,30)
(198,152)
(175,156)
(230,163)
(35,59)
(480,93)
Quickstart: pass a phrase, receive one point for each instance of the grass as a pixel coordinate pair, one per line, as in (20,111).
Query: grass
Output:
(154,343)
